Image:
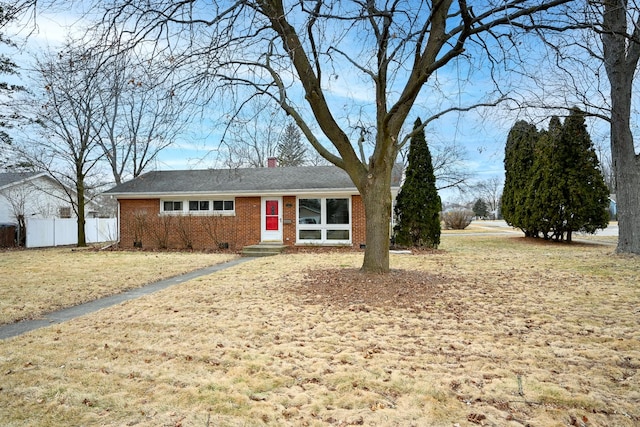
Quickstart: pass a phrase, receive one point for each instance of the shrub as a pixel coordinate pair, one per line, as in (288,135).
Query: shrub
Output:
(185,231)
(160,230)
(457,219)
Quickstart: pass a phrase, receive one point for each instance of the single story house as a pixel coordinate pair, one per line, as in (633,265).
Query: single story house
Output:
(310,205)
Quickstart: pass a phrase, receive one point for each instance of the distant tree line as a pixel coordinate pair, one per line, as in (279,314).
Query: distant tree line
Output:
(553,182)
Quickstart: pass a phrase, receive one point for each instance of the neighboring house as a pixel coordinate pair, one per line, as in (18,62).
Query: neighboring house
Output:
(314,205)
(33,195)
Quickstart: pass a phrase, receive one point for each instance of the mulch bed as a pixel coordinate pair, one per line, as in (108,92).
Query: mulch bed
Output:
(350,288)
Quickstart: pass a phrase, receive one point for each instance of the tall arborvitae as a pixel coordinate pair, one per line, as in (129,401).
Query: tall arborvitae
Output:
(586,195)
(553,185)
(545,190)
(518,160)
(418,204)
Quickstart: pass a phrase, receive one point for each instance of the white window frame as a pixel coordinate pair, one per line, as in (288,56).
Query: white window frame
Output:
(171,212)
(209,212)
(323,226)
(199,202)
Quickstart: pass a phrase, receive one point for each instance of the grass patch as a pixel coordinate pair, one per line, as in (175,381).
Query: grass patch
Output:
(514,333)
(35,282)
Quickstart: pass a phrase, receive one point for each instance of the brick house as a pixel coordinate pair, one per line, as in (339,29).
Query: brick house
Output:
(220,208)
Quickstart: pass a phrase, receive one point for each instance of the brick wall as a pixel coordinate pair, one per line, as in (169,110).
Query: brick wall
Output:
(140,222)
(358,221)
(289,220)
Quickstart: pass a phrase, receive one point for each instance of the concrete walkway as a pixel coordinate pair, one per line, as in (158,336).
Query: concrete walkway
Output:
(15,329)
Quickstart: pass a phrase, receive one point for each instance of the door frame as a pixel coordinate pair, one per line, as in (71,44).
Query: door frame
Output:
(270,235)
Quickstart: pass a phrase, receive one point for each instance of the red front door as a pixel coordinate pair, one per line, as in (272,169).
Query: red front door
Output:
(271,215)
(271,219)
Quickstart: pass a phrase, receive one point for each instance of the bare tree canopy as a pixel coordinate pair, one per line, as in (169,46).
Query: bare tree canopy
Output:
(310,56)
(140,113)
(251,135)
(62,140)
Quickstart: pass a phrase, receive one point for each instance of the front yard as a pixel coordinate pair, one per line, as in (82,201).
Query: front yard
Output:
(489,330)
(33,282)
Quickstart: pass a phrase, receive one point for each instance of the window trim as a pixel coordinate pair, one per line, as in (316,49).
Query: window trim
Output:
(186,208)
(324,227)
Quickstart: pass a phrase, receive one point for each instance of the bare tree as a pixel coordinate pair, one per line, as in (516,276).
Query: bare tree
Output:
(18,198)
(252,135)
(489,191)
(606,165)
(295,52)
(448,164)
(65,143)
(141,114)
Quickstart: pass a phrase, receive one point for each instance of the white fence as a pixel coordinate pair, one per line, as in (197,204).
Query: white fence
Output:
(59,232)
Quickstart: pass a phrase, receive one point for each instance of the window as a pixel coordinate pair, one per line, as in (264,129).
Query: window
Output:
(223,205)
(337,211)
(64,212)
(170,206)
(324,220)
(198,205)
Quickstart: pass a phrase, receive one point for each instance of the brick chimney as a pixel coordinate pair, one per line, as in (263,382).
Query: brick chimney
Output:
(272,162)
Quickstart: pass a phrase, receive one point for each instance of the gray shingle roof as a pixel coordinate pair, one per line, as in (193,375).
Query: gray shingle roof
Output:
(241,181)
(8,178)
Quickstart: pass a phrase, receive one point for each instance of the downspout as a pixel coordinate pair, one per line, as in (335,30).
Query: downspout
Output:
(118,223)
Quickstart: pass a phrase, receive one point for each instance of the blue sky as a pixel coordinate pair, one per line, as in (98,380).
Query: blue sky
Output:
(481,134)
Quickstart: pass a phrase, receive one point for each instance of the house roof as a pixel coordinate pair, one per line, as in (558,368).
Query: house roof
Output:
(248,181)
(8,179)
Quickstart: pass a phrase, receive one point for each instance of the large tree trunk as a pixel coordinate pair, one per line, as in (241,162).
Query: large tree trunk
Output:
(621,55)
(82,238)
(627,170)
(376,196)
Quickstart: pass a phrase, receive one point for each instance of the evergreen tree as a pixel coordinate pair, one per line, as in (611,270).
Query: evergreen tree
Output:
(518,160)
(586,196)
(564,190)
(480,209)
(418,204)
(291,150)
(544,194)
(7,68)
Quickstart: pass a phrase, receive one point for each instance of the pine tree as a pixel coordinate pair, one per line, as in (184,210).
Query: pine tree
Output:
(8,68)
(518,160)
(418,204)
(291,150)
(480,209)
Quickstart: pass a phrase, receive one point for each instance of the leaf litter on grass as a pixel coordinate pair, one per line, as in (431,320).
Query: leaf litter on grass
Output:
(518,334)
(39,281)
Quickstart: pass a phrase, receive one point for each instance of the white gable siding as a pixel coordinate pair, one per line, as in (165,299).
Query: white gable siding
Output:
(40,197)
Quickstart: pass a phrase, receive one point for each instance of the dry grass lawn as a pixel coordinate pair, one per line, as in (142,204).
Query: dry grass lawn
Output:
(500,331)
(33,282)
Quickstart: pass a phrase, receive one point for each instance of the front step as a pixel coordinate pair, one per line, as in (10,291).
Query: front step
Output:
(263,249)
